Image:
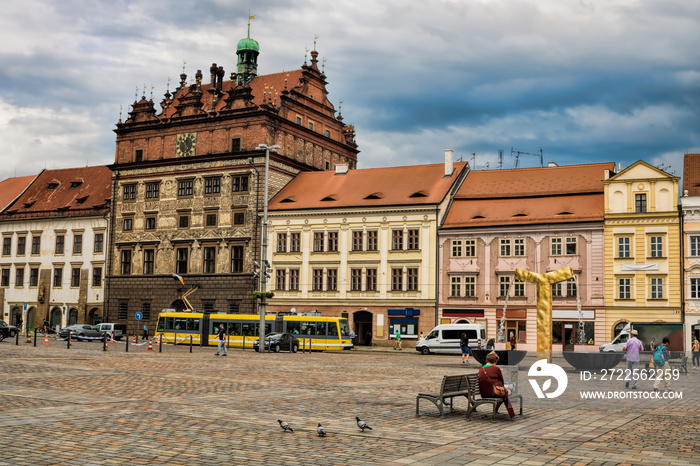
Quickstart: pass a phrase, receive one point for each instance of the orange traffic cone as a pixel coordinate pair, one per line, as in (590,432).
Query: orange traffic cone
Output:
(46,338)
(134,342)
(111,337)
(150,345)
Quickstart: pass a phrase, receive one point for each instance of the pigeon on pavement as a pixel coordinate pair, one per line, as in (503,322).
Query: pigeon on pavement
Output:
(362,424)
(321,431)
(285,427)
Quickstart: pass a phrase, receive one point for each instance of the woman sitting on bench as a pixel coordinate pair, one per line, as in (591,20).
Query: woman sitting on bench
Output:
(490,376)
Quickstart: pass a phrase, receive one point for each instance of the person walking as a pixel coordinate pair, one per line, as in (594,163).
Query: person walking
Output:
(145,333)
(661,356)
(464,346)
(222,341)
(352,338)
(397,345)
(696,354)
(633,347)
(512,340)
(652,345)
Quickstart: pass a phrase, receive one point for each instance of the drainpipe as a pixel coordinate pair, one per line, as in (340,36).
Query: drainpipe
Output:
(109,216)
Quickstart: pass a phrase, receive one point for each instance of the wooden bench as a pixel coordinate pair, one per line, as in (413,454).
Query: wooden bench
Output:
(452,386)
(475,398)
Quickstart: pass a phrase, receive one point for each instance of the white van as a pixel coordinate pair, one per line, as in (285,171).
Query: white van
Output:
(445,338)
(115,330)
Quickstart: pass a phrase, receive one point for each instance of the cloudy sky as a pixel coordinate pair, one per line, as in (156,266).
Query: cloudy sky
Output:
(583,80)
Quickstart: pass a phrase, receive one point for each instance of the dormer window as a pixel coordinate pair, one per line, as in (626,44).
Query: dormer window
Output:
(28,204)
(75,184)
(53,185)
(328,198)
(80,200)
(289,199)
(374,196)
(418,194)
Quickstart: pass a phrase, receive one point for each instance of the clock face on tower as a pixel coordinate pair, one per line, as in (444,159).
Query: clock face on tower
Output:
(185,144)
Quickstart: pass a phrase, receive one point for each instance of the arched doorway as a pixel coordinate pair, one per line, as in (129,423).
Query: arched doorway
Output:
(363,327)
(55,319)
(15,316)
(73,316)
(95,316)
(30,321)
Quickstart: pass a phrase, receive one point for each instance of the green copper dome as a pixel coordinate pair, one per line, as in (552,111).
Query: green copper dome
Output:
(248,44)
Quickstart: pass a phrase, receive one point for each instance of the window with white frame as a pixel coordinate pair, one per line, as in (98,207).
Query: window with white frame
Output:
(456,248)
(332,280)
(694,288)
(656,246)
(318,241)
(412,279)
(280,279)
(503,285)
(694,246)
(317,280)
(470,286)
(355,279)
(469,248)
(519,288)
(571,246)
(624,288)
(396,279)
(505,247)
(656,287)
(455,287)
(624,247)
(281,242)
(557,290)
(372,240)
(293,279)
(556,246)
(519,247)
(357,240)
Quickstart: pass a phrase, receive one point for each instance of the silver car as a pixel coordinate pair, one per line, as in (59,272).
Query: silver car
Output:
(79,332)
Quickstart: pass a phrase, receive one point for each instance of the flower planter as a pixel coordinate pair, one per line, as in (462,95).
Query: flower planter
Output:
(506,357)
(585,361)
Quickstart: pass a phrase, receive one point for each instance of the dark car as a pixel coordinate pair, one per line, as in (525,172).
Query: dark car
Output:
(279,342)
(80,332)
(7,331)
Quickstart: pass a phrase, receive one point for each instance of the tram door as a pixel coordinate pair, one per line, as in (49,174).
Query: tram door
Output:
(204,335)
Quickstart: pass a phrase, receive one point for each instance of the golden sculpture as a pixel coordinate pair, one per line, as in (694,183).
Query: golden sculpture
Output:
(544,304)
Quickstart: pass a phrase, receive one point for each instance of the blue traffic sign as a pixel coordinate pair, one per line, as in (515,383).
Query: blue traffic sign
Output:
(138,316)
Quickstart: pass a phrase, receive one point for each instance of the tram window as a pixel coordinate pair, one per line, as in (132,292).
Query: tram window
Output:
(180,323)
(293,327)
(332,329)
(234,328)
(249,329)
(344,328)
(161,324)
(192,324)
(321,328)
(308,328)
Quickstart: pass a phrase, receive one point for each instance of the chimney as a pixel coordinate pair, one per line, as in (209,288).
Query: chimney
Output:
(448,162)
(341,168)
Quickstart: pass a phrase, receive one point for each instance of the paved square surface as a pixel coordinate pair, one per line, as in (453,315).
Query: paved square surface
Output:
(86,406)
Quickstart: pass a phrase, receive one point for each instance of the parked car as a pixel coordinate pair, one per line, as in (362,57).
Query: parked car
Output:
(79,332)
(279,342)
(115,330)
(6,330)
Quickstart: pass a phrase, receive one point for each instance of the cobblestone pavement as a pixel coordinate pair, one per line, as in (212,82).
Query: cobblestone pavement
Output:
(86,406)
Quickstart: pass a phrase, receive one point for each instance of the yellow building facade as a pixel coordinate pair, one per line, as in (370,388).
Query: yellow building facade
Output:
(642,247)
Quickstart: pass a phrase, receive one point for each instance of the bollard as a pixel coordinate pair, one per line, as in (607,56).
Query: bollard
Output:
(68,341)
(104,342)
(35,338)
(175,340)
(17,338)
(160,343)
(190,343)
(243,342)
(127,342)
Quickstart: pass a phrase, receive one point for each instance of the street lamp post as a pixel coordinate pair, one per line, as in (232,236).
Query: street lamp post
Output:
(264,264)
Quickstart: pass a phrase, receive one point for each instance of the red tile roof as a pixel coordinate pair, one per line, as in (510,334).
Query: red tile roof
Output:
(543,181)
(370,187)
(72,191)
(564,194)
(13,187)
(691,174)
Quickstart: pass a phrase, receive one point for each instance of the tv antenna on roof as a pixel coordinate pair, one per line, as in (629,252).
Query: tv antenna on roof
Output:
(519,153)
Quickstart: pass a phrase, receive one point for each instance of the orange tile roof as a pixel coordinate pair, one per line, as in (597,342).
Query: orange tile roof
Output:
(543,181)
(691,174)
(370,187)
(13,187)
(553,209)
(573,193)
(86,189)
